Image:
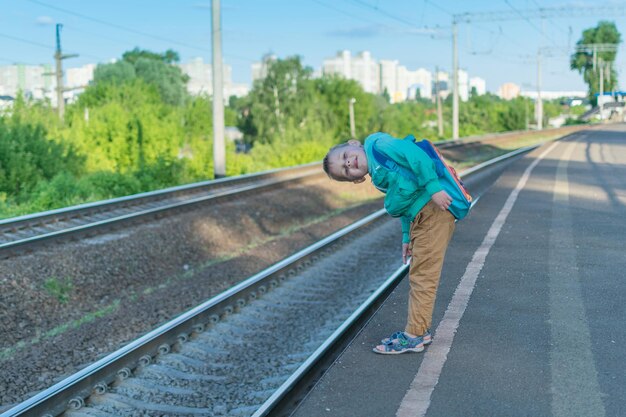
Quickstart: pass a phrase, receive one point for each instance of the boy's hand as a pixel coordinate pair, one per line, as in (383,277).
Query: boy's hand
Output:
(406,253)
(442,200)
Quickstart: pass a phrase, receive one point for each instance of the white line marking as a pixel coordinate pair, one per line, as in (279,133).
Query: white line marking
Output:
(575,387)
(417,399)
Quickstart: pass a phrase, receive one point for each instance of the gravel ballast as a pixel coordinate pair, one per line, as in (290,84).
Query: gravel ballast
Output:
(66,305)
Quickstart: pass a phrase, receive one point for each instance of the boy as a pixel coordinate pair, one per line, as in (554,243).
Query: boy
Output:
(427,225)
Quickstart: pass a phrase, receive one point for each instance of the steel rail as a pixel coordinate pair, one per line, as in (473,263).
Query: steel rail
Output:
(98,206)
(71,392)
(139,202)
(258,181)
(290,394)
(492,137)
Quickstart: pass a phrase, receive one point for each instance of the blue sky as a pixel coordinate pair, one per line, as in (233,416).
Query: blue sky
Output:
(500,51)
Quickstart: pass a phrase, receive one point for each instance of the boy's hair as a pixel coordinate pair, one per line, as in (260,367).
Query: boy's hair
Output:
(325,162)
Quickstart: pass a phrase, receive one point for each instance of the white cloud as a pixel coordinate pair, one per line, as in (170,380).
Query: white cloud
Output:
(44,20)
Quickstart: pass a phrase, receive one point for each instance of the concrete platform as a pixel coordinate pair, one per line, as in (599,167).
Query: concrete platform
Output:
(543,332)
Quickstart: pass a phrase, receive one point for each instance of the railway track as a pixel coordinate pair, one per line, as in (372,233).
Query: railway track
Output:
(22,234)
(248,350)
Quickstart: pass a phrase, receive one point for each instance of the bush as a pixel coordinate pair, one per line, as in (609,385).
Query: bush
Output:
(104,185)
(62,191)
(28,157)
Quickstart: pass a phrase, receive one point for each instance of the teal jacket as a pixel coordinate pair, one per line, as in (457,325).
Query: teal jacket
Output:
(404,198)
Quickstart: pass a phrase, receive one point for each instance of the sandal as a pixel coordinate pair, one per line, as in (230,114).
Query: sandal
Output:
(400,344)
(427,337)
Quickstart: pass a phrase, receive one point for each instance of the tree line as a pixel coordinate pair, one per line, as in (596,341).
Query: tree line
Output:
(135,129)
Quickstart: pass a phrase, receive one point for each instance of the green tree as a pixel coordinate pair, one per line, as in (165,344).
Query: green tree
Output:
(153,68)
(335,92)
(27,156)
(583,59)
(513,115)
(284,98)
(169,56)
(116,73)
(410,117)
(129,127)
(169,79)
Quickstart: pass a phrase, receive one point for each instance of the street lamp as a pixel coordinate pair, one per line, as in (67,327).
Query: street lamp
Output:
(352,124)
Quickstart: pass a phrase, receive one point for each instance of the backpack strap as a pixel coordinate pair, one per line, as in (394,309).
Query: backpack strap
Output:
(391,165)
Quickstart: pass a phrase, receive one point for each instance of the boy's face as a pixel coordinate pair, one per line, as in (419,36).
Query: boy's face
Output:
(348,163)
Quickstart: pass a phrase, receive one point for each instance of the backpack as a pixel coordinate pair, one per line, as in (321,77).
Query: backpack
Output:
(448,178)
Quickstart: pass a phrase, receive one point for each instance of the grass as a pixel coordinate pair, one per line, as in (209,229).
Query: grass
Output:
(62,288)
(59,288)
(7,353)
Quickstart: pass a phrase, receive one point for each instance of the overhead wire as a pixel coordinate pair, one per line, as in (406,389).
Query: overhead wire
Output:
(115,25)
(40,45)
(371,21)
(131,30)
(417,30)
(18,39)
(17,61)
(384,12)
(344,12)
(531,23)
(550,19)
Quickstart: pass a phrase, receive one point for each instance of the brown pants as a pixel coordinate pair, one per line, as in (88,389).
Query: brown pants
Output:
(431,231)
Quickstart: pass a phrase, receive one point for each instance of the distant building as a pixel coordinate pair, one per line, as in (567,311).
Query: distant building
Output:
(387,75)
(259,69)
(479,84)
(6,101)
(442,83)
(509,91)
(463,81)
(201,79)
(365,70)
(31,80)
(551,95)
(81,76)
(77,80)
(340,64)
(389,80)
(377,77)
(412,82)
(362,68)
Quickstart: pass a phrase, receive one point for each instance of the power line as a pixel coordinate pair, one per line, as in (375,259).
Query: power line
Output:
(41,45)
(530,22)
(551,20)
(438,7)
(344,12)
(15,38)
(379,10)
(18,62)
(124,28)
(115,25)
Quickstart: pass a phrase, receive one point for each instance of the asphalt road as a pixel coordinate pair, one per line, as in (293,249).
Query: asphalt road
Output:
(538,323)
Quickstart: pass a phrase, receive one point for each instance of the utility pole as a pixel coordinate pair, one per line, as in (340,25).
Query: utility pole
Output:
(352,123)
(438,98)
(601,87)
(455,82)
(539,104)
(526,113)
(58,58)
(219,152)
(539,13)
